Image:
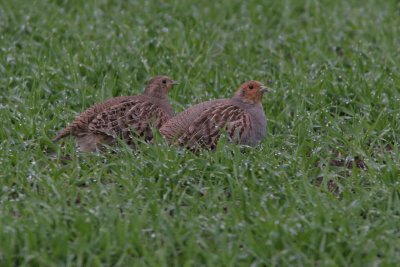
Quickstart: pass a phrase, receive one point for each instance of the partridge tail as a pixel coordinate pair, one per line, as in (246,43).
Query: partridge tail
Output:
(67,131)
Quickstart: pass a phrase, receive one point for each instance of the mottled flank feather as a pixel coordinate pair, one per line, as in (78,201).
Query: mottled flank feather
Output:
(81,122)
(127,117)
(131,119)
(205,131)
(242,118)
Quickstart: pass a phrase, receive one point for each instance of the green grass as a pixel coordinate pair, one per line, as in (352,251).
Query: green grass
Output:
(334,67)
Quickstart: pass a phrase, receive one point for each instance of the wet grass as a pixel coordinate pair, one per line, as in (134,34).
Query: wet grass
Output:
(321,190)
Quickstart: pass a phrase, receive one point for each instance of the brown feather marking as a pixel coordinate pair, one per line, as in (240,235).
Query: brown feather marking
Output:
(81,122)
(205,131)
(129,120)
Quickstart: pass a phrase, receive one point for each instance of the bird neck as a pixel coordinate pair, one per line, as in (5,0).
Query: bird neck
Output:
(155,92)
(244,102)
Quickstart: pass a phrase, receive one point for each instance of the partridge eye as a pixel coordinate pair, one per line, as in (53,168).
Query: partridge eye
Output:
(164,81)
(251,86)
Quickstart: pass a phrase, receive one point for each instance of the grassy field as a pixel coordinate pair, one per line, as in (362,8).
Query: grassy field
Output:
(322,189)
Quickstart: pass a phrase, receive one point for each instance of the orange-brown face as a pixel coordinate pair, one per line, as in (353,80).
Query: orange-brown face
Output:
(251,91)
(160,85)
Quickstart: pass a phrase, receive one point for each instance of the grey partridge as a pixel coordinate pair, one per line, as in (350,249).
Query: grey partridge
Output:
(125,116)
(242,118)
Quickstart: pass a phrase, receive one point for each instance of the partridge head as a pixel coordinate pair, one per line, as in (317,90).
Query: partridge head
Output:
(159,86)
(251,92)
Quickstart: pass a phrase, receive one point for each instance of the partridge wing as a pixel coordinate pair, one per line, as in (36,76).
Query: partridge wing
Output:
(206,130)
(81,123)
(134,118)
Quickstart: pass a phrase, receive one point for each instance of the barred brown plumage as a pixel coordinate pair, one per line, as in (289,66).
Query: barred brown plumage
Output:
(124,116)
(139,115)
(80,123)
(242,117)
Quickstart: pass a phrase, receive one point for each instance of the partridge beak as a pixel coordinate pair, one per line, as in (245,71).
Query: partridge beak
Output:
(265,89)
(175,82)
